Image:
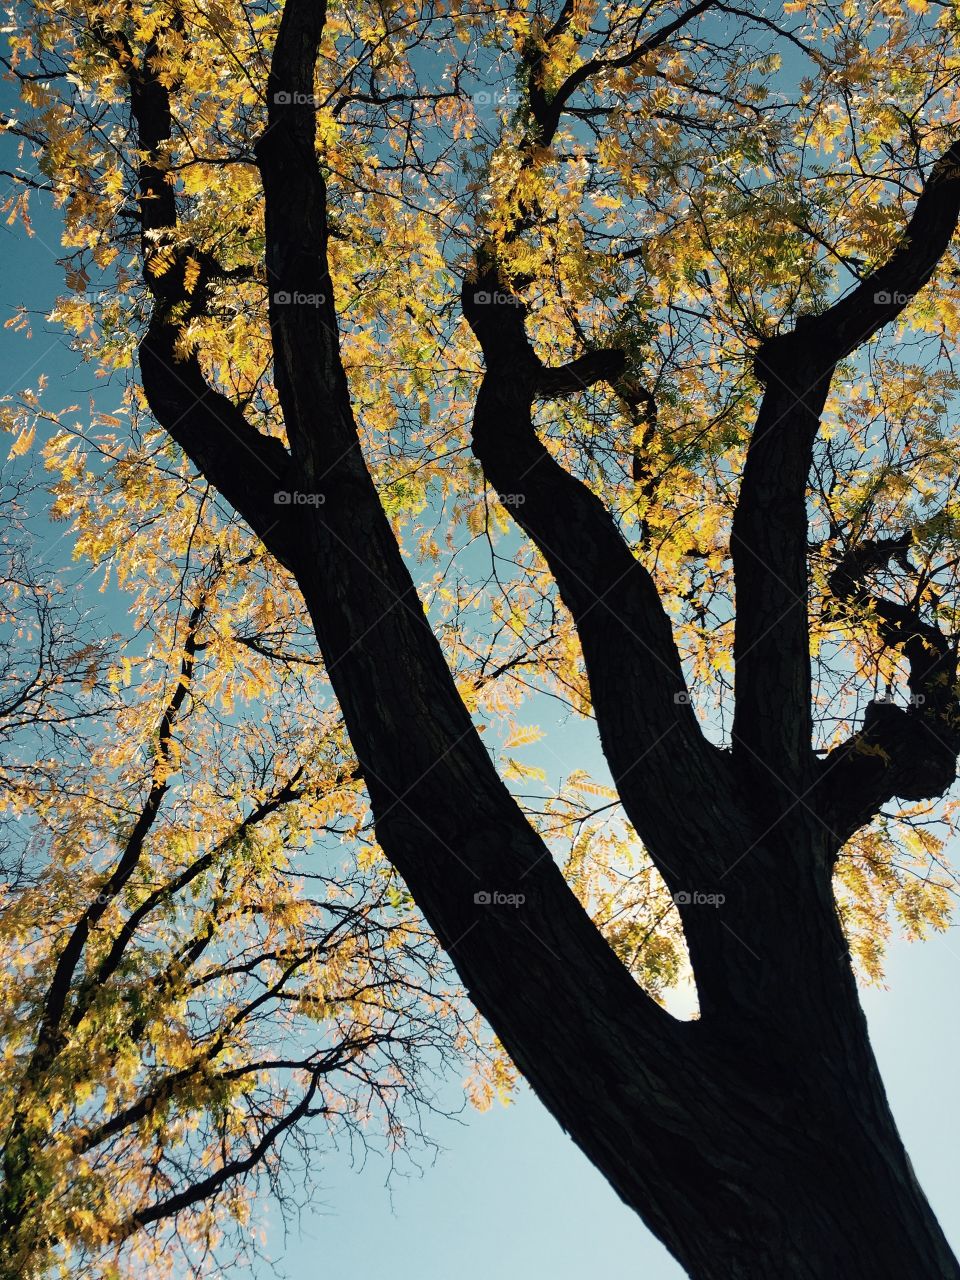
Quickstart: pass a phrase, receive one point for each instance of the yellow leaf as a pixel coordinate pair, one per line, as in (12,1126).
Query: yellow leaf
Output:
(522,736)
(514,769)
(191,274)
(23,442)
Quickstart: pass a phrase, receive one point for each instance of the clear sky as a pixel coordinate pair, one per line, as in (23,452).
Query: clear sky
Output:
(510,1196)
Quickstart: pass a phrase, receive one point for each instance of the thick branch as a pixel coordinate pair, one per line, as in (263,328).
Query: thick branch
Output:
(772,727)
(548,109)
(772,722)
(245,466)
(909,752)
(581,373)
(884,293)
(644,715)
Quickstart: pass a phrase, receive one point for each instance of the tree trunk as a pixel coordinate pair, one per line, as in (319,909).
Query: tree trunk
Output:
(808,1178)
(798,1170)
(836,1200)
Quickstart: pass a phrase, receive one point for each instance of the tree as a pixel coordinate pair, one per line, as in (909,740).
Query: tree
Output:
(678,297)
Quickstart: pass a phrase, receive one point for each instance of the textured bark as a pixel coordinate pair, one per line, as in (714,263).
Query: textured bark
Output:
(757,1141)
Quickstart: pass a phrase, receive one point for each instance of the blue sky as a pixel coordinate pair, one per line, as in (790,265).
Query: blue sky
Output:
(509,1195)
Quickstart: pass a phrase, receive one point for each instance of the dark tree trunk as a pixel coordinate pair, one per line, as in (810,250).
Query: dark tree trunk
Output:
(808,1178)
(803,1172)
